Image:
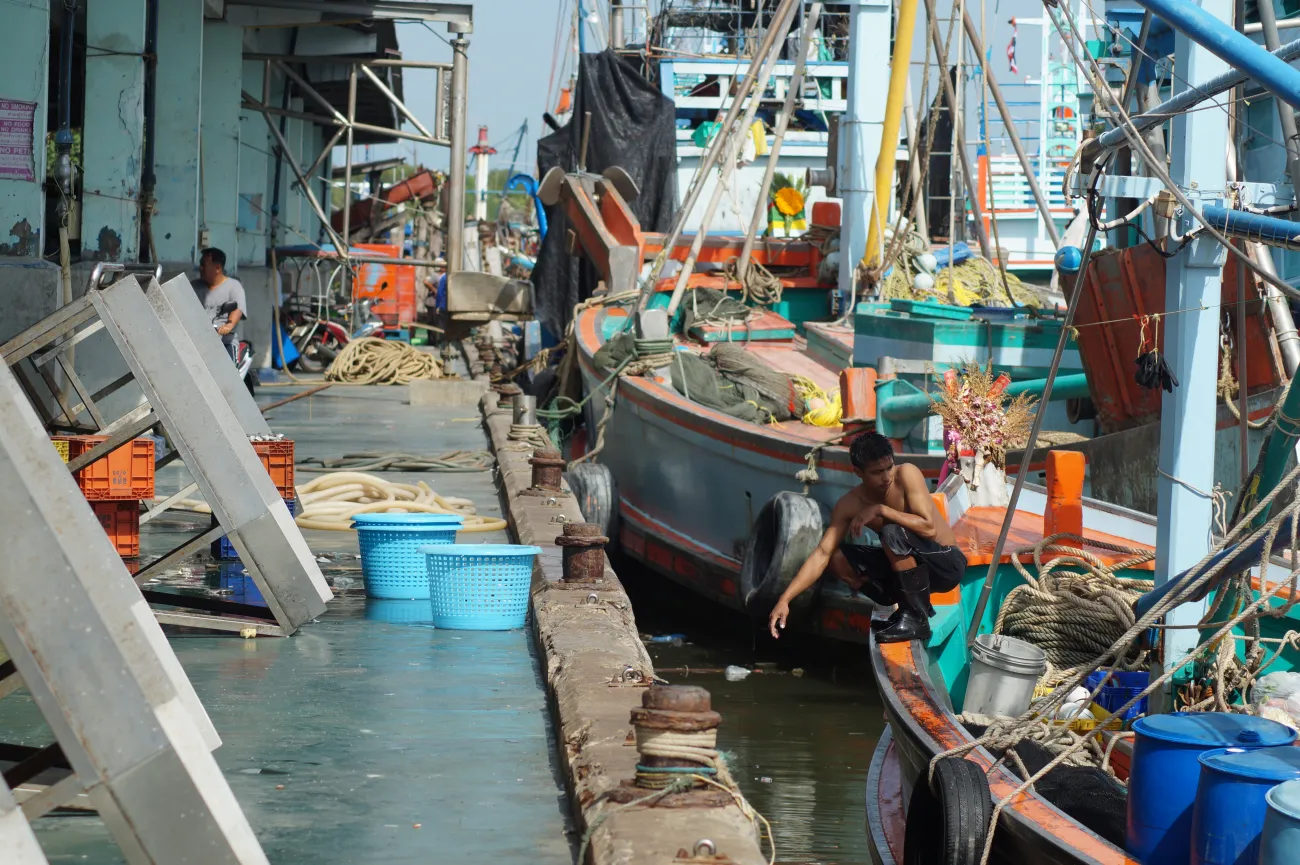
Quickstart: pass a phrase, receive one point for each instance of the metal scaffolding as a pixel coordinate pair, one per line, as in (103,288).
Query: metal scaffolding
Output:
(448,128)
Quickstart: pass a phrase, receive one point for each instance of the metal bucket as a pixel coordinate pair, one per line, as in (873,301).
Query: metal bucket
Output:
(1230,808)
(1165,772)
(1003,673)
(1279,844)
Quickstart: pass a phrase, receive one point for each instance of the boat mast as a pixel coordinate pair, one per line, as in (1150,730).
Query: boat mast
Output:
(861,129)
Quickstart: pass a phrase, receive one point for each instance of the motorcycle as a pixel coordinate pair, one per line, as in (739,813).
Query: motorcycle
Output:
(319,340)
(242,349)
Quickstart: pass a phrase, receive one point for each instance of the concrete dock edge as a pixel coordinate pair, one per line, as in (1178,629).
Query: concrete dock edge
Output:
(585,645)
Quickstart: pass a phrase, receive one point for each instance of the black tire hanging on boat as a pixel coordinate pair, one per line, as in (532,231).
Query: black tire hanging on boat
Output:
(595,489)
(948,820)
(785,533)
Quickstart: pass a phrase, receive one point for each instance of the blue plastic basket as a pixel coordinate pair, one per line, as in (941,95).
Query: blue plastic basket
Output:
(1122,687)
(408,520)
(223,550)
(391,561)
(479,587)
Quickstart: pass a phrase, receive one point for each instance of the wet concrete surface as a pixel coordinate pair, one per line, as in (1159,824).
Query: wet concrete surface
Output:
(369,736)
(800,728)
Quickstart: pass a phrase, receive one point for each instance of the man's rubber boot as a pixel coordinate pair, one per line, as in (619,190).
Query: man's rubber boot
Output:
(880,624)
(913,622)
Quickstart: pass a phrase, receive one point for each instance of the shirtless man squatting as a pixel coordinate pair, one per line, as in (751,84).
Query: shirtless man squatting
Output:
(917,552)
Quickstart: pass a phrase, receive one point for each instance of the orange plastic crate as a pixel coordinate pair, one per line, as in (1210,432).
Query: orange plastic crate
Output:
(121,521)
(126,473)
(277,459)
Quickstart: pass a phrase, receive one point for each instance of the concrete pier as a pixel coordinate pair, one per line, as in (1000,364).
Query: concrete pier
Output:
(587,640)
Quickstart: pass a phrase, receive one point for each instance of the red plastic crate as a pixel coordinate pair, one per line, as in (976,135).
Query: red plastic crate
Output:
(277,459)
(121,521)
(126,473)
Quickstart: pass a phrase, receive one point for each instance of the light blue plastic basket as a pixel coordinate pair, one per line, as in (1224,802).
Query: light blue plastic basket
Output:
(479,587)
(391,561)
(407,520)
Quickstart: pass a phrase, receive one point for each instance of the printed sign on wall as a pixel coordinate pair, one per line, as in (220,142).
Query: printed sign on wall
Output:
(17,120)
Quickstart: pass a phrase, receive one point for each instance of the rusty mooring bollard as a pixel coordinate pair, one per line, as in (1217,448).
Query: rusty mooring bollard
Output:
(676,720)
(548,466)
(583,552)
(508,390)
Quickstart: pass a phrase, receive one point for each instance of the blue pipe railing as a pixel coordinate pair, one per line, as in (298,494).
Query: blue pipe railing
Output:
(1268,230)
(528,184)
(1237,49)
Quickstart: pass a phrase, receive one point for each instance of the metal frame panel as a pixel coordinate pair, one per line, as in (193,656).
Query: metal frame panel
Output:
(181,312)
(16,837)
(183,392)
(99,668)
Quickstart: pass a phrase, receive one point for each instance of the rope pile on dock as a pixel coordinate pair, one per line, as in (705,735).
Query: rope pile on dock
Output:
(382,361)
(452,461)
(331,501)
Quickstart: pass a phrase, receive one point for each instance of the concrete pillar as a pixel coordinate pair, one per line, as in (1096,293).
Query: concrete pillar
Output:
(455,216)
(24,64)
(113,138)
(862,127)
(254,202)
(179,95)
(1191,346)
(223,63)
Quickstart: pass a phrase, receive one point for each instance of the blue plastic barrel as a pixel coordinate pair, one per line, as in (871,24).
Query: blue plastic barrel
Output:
(1279,843)
(1230,807)
(1165,771)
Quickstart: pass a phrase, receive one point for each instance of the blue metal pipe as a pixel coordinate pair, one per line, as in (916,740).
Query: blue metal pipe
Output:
(915,406)
(1238,50)
(1268,230)
(528,184)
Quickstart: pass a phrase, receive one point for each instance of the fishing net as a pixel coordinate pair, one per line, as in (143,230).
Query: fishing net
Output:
(710,306)
(731,380)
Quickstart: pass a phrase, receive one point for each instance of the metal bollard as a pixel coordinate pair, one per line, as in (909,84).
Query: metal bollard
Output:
(680,709)
(525,407)
(548,467)
(583,552)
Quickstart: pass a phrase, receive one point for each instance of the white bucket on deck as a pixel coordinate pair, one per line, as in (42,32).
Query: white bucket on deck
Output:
(1003,673)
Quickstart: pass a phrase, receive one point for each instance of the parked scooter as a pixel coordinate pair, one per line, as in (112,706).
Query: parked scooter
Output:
(241,348)
(319,340)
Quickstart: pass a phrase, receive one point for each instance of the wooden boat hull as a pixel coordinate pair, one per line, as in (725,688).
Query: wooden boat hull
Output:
(691,482)
(921,727)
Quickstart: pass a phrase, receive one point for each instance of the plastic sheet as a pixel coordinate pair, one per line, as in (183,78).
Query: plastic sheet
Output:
(632,127)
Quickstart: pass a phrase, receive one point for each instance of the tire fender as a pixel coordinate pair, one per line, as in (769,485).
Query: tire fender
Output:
(785,533)
(594,487)
(948,819)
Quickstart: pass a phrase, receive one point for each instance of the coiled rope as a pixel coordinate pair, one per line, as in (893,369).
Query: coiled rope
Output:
(331,501)
(381,361)
(452,461)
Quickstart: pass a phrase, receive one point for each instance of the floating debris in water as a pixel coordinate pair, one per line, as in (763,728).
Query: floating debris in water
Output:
(735,674)
(796,672)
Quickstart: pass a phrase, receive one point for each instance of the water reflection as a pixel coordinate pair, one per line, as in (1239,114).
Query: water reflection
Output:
(801,728)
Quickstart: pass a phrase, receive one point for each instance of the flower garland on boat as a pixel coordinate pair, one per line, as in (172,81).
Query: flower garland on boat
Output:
(979,420)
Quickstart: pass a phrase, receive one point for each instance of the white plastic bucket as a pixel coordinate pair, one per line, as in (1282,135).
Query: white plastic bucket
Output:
(1003,673)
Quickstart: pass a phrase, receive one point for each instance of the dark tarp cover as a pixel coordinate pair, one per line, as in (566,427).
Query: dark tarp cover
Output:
(632,126)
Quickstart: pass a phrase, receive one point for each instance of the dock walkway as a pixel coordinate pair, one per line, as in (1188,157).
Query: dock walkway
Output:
(369,736)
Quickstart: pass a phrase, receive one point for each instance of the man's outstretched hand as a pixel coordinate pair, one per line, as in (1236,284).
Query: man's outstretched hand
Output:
(777,620)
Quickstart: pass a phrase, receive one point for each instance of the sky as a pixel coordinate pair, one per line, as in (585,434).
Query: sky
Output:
(514,42)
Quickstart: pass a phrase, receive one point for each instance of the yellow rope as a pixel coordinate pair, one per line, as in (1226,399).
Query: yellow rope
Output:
(380,361)
(829,414)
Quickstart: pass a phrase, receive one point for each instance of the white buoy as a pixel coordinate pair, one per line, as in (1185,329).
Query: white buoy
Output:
(927,262)
(923,282)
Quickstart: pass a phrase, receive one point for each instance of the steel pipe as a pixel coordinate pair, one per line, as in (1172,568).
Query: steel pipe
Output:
(1191,97)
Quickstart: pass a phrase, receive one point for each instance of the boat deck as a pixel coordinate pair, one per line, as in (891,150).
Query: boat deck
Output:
(977,535)
(369,736)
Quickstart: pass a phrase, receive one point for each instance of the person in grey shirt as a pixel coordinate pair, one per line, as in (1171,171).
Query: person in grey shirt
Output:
(214,289)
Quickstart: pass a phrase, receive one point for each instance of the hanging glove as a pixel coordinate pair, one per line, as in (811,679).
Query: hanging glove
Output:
(1153,372)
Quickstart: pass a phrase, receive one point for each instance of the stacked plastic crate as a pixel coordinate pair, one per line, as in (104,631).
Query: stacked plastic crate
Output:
(114,485)
(277,458)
